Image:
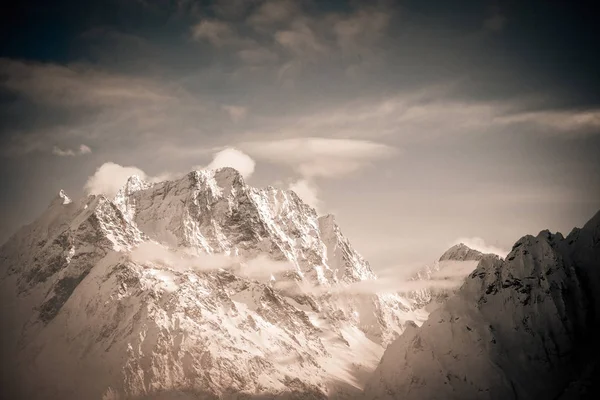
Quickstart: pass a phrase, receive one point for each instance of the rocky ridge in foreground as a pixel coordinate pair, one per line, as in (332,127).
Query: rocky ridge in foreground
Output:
(521,328)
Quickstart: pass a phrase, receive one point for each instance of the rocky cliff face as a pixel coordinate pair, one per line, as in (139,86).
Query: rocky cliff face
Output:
(130,297)
(521,328)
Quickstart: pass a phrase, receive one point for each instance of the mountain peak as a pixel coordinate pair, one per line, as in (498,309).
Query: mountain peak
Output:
(61,199)
(135,183)
(220,180)
(461,252)
(154,251)
(594,223)
(542,297)
(63,196)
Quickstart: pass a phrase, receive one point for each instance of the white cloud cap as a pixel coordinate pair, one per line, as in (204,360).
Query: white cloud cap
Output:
(110,177)
(233,158)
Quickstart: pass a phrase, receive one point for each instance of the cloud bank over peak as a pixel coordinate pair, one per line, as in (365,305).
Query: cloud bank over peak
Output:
(233,158)
(110,177)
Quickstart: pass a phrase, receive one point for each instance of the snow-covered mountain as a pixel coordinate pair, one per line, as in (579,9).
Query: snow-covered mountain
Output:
(201,285)
(521,328)
(456,263)
(461,252)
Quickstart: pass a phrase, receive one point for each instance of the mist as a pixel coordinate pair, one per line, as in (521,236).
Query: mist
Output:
(182,259)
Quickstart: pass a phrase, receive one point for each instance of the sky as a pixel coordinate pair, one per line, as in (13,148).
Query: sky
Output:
(417,123)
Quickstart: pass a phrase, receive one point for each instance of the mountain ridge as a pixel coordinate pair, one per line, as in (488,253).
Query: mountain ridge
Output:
(129,326)
(542,298)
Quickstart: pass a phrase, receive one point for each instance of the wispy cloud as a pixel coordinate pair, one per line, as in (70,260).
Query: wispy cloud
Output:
(184,259)
(216,32)
(429,113)
(258,56)
(77,85)
(83,149)
(557,121)
(236,113)
(321,157)
(272,12)
(301,42)
(314,158)
(450,276)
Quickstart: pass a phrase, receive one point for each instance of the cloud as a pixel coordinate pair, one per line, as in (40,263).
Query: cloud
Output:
(233,158)
(83,149)
(184,259)
(360,29)
(450,269)
(273,12)
(77,85)
(301,42)
(111,177)
(426,113)
(257,56)
(180,259)
(477,243)
(307,191)
(231,9)
(315,157)
(236,113)
(218,33)
(557,121)
(391,283)
(262,267)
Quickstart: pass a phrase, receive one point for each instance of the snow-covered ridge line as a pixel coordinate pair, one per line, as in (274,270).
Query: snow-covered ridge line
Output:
(523,327)
(104,286)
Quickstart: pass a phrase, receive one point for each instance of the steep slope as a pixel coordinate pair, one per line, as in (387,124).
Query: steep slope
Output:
(524,328)
(130,297)
(456,263)
(461,252)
